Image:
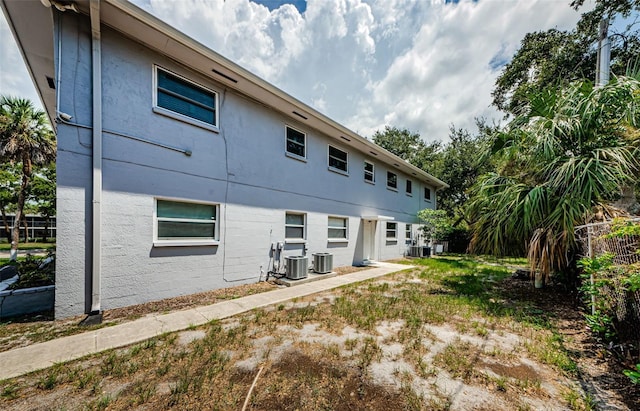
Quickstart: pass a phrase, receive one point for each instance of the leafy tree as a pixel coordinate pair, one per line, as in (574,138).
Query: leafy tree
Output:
(460,163)
(408,146)
(436,224)
(566,152)
(9,187)
(43,194)
(25,138)
(545,58)
(556,58)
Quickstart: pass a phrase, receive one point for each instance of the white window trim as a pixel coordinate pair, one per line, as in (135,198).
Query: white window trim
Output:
(304,228)
(408,239)
(178,116)
(187,242)
(373,173)
(428,200)
(346,230)
(388,186)
(292,155)
(337,170)
(386,229)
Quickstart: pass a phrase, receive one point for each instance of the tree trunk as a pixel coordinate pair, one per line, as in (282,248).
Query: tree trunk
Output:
(15,235)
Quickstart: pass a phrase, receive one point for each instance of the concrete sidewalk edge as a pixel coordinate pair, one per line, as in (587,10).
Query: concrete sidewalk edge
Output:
(35,357)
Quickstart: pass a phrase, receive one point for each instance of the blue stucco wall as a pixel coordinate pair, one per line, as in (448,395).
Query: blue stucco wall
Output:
(242,167)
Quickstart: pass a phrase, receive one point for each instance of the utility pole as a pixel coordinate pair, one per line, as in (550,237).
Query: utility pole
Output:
(604,54)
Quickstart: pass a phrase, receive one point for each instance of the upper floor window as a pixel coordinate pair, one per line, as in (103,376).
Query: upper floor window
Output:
(338,159)
(185,222)
(427,193)
(369,172)
(186,98)
(296,142)
(337,228)
(409,187)
(294,226)
(392,180)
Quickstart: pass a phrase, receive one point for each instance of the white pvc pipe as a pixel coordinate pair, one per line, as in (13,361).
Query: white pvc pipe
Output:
(96,237)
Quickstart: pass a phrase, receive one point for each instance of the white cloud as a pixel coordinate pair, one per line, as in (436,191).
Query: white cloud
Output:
(366,63)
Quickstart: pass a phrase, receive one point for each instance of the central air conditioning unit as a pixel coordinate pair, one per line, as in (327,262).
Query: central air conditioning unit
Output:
(415,251)
(322,263)
(297,267)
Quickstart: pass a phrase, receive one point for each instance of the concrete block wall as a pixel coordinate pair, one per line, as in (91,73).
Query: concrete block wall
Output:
(242,167)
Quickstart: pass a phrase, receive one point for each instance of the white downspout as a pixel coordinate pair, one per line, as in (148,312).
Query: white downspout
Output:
(96,236)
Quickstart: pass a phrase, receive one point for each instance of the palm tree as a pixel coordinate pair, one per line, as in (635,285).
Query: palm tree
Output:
(25,138)
(567,152)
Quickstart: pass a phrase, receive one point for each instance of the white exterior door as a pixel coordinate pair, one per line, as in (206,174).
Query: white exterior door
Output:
(369,240)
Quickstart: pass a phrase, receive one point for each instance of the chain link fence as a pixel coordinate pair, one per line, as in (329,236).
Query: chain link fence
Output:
(613,294)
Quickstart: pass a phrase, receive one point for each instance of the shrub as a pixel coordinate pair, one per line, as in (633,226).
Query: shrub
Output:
(36,271)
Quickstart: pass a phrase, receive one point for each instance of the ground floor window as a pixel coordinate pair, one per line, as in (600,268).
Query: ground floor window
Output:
(392,230)
(294,226)
(337,228)
(407,234)
(179,220)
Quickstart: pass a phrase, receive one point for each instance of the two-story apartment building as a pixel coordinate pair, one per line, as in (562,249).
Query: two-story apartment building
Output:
(179,171)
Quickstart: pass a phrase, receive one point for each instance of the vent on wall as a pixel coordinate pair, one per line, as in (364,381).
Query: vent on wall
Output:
(299,115)
(52,84)
(224,76)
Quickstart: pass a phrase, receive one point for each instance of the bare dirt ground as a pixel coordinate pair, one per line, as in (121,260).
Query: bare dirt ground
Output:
(429,339)
(600,371)
(20,332)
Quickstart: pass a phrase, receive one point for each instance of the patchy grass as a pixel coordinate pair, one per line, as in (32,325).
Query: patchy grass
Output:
(28,246)
(444,336)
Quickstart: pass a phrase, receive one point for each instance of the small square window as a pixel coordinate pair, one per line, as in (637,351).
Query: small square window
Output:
(338,159)
(337,228)
(296,142)
(409,187)
(186,98)
(184,221)
(392,230)
(392,180)
(427,193)
(369,172)
(295,227)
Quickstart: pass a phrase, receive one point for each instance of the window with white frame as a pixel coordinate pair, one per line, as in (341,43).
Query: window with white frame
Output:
(337,228)
(185,221)
(427,194)
(338,159)
(409,188)
(294,226)
(392,180)
(408,234)
(392,230)
(369,172)
(296,142)
(186,98)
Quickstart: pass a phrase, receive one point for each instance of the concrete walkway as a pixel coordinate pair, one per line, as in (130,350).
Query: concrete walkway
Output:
(42,355)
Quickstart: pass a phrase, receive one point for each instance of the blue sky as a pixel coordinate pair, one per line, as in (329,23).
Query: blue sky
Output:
(419,64)
(301,5)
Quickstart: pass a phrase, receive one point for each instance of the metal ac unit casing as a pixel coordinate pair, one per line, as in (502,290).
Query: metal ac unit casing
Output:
(297,267)
(415,251)
(322,263)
